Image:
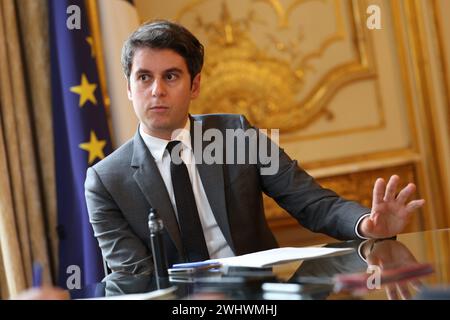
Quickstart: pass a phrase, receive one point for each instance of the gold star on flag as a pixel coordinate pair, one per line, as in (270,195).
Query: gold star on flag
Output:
(94,147)
(90,40)
(85,90)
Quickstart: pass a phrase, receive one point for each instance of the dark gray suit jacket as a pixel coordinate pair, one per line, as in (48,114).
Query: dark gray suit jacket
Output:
(122,188)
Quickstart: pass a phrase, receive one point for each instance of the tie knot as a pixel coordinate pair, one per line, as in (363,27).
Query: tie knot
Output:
(175,144)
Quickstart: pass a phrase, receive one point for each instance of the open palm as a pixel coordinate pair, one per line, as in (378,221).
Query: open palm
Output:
(390,213)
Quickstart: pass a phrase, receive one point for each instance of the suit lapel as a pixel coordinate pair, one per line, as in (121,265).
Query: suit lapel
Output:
(150,182)
(212,179)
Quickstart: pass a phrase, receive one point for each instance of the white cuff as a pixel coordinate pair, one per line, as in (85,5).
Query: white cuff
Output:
(357,225)
(360,251)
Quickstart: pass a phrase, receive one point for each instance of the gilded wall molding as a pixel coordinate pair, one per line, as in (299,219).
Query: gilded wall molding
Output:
(413,50)
(274,86)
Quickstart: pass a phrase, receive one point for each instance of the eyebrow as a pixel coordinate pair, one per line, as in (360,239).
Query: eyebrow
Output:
(174,69)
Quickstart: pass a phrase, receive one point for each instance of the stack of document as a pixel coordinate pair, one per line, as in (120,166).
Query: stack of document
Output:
(274,256)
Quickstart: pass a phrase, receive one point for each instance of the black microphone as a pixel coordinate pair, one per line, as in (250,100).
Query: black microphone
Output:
(156,227)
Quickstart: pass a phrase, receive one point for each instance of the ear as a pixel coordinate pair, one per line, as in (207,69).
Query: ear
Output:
(130,96)
(195,88)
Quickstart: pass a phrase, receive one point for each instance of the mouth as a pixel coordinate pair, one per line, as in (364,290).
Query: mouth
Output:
(158,108)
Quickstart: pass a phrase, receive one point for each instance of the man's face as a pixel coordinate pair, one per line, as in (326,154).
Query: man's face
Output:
(160,89)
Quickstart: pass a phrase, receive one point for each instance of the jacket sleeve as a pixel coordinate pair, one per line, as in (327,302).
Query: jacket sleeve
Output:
(121,248)
(316,208)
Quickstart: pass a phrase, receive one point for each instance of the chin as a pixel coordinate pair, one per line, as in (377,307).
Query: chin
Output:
(157,127)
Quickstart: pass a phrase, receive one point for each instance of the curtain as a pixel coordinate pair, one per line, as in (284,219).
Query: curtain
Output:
(27,183)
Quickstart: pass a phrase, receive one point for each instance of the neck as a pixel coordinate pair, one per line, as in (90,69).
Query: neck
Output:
(163,134)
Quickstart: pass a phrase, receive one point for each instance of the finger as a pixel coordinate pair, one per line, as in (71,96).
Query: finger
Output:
(391,292)
(378,192)
(415,204)
(406,193)
(391,188)
(404,291)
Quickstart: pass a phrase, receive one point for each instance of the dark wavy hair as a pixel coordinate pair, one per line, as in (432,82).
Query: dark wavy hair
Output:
(163,34)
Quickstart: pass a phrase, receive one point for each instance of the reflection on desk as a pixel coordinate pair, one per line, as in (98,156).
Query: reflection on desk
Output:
(312,279)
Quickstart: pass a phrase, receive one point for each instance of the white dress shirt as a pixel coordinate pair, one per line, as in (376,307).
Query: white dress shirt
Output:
(215,240)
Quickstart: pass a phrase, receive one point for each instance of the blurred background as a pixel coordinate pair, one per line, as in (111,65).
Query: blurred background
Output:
(358,89)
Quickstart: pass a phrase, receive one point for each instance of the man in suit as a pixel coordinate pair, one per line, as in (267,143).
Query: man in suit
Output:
(162,62)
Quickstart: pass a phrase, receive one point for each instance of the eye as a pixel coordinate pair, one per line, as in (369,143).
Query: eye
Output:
(171,76)
(144,77)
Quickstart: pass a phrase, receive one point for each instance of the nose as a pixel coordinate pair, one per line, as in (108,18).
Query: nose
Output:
(158,88)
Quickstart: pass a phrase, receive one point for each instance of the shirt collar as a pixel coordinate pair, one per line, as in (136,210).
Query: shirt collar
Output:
(157,146)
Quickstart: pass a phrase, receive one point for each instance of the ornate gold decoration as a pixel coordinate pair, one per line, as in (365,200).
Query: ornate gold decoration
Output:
(240,77)
(409,29)
(437,17)
(283,14)
(362,69)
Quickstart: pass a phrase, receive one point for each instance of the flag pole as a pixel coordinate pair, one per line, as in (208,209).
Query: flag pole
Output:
(94,24)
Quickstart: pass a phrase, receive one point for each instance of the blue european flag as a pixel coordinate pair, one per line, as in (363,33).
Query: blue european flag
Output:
(81,137)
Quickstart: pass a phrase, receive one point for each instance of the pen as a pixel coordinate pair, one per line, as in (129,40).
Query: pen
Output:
(200,264)
(37,275)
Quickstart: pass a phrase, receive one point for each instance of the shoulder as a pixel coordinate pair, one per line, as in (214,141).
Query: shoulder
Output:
(115,172)
(223,120)
(117,160)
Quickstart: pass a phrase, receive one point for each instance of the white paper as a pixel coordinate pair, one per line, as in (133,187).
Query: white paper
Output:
(161,294)
(269,257)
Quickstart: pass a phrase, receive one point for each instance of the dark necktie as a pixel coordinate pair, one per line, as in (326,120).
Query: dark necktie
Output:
(188,219)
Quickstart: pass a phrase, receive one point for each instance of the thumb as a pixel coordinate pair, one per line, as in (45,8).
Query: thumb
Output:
(370,224)
(366,227)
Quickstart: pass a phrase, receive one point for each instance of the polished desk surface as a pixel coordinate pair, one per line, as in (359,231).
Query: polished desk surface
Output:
(429,250)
